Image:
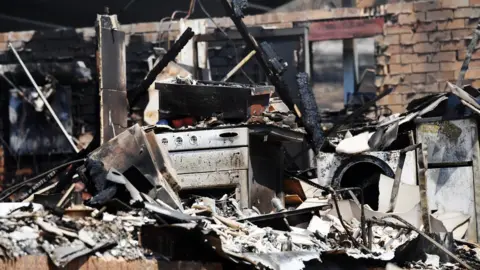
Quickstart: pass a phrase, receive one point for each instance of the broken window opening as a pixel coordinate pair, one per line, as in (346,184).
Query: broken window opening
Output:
(330,71)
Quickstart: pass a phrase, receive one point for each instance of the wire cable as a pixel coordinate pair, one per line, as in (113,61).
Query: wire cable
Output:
(226,35)
(20,185)
(188,13)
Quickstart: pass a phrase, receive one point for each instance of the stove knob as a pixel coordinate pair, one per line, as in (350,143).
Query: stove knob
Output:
(178,141)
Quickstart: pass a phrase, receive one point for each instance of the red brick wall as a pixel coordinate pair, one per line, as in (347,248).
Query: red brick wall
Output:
(423,46)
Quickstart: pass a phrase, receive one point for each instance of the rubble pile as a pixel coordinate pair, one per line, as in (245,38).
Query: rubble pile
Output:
(36,231)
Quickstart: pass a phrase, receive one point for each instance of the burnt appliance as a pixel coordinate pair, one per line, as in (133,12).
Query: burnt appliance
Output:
(246,159)
(228,101)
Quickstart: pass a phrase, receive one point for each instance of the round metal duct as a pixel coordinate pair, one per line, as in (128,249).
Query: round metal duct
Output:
(364,172)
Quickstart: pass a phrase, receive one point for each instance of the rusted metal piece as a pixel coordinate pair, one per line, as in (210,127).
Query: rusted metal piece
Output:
(111,67)
(260,99)
(345,29)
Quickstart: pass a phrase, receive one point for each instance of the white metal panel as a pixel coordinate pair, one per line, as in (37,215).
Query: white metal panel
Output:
(451,189)
(212,180)
(448,141)
(210,160)
(204,139)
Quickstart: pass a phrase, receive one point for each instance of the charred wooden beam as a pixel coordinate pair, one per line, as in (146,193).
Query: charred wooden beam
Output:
(112,74)
(142,88)
(311,119)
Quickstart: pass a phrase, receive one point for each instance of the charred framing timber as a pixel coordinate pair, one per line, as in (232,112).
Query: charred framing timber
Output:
(359,111)
(239,66)
(422,166)
(311,119)
(398,175)
(111,66)
(142,88)
(271,64)
(275,78)
(471,47)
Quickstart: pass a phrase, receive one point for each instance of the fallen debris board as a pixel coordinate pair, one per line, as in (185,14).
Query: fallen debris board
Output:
(408,196)
(455,221)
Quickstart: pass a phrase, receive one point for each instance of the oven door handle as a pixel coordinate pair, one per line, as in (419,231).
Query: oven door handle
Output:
(226,135)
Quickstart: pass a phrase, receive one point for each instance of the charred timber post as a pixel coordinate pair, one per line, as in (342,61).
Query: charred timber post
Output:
(177,47)
(311,120)
(468,57)
(235,14)
(272,66)
(112,72)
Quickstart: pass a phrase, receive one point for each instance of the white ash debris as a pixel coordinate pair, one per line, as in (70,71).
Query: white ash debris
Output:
(20,234)
(324,233)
